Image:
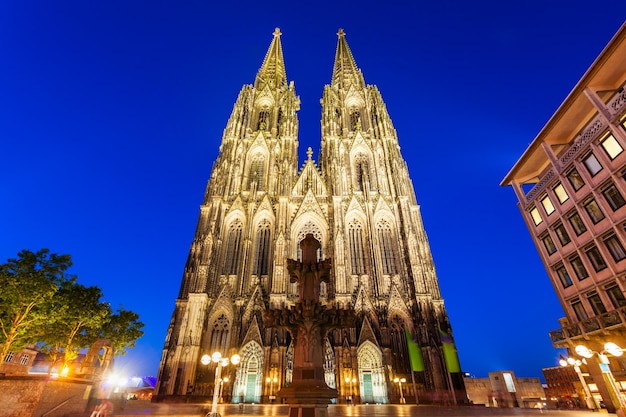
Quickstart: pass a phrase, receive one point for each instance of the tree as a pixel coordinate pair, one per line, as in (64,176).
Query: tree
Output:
(29,283)
(122,329)
(77,310)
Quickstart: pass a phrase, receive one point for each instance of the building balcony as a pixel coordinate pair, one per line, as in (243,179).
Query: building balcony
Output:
(591,327)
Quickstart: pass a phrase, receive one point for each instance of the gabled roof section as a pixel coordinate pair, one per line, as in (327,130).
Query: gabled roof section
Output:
(345,71)
(272,73)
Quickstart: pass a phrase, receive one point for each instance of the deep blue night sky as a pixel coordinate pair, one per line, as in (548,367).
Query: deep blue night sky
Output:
(111,115)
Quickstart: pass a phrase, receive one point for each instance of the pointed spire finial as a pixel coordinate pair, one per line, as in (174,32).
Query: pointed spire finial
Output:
(277,33)
(309,152)
(341,33)
(272,71)
(345,71)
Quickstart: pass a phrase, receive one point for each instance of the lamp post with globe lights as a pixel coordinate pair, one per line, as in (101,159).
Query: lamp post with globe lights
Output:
(400,381)
(221,362)
(607,376)
(591,404)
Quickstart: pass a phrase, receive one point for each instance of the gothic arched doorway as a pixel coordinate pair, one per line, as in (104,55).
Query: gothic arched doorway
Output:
(373,386)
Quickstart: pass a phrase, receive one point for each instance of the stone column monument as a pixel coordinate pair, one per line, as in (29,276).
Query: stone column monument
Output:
(308,322)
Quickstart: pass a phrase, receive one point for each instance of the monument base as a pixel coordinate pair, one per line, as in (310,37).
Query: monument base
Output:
(308,410)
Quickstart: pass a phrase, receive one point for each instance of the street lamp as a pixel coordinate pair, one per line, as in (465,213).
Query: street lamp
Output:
(400,381)
(612,349)
(591,404)
(271,381)
(221,362)
(351,381)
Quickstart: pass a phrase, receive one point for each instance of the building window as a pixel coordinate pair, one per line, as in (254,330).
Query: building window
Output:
(9,357)
(596,303)
(615,247)
(596,258)
(594,211)
(592,164)
(579,310)
(549,244)
(613,197)
(233,248)
(220,333)
(579,268)
(24,359)
(357,253)
(616,296)
(264,116)
(257,168)
(561,233)
(566,281)
(560,193)
(361,167)
(611,146)
(575,179)
(547,205)
(385,238)
(534,212)
(577,224)
(262,247)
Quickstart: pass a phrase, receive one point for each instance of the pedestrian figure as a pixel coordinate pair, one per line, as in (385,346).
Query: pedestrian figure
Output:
(102,409)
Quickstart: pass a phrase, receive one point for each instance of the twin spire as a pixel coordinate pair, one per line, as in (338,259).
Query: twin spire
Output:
(345,71)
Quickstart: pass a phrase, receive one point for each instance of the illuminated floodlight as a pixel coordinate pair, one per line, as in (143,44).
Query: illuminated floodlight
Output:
(216,357)
(235,359)
(205,359)
(584,351)
(613,349)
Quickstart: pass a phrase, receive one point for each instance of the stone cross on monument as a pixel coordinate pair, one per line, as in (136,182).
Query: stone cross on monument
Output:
(308,322)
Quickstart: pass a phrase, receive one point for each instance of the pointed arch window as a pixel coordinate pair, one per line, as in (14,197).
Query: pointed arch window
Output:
(262,249)
(264,118)
(257,169)
(357,253)
(355,120)
(233,248)
(219,334)
(361,168)
(385,238)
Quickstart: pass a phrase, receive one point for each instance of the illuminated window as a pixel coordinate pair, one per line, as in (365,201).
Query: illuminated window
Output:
(566,281)
(615,248)
(561,233)
(24,359)
(594,211)
(596,258)
(263,121)
(611,146)
(596,303)
(577,224)
(534,212)
(547,205)
(592,164)
(549,244)
(579,268)
(257,168)
(575,179)
(560,193)
(616,295)
(613,197)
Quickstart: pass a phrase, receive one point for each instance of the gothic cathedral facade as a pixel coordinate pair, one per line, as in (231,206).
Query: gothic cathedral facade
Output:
(359,203)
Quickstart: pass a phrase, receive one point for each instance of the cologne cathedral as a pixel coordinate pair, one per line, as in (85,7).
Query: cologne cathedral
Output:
(358,202)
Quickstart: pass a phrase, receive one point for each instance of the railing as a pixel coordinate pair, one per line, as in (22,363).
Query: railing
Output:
(617,102)
(591,325)
(52,410)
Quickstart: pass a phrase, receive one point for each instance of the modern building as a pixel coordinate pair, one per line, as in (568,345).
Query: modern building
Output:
(503,389)
(567,387)
(359,203)
(571,187)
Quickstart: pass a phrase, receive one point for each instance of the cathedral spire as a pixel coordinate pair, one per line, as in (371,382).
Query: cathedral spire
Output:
(272,72)
(345,71)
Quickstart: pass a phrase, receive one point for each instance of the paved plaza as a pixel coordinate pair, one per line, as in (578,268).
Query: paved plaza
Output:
(388,410)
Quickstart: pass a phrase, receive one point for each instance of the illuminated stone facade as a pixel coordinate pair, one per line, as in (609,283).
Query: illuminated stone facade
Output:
(358,202)
(571,188)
